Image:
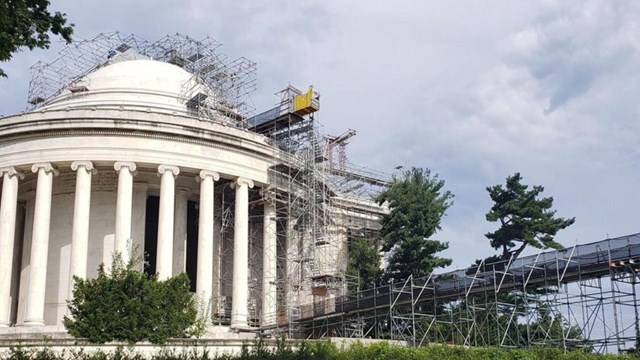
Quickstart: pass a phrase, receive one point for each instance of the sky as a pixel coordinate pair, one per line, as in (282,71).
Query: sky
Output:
(473,90)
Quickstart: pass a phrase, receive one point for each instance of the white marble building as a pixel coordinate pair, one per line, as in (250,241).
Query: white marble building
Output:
(117,161)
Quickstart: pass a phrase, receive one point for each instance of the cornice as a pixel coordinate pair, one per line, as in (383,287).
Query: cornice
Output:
(31,124)
(265,153)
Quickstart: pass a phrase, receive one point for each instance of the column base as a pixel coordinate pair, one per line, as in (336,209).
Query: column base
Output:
(33,322)
(4,324)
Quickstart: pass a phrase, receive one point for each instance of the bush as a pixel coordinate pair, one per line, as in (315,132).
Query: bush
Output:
(129,305)
(326,351)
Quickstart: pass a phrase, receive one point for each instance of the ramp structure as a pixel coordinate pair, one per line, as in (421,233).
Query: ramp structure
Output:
(584,296)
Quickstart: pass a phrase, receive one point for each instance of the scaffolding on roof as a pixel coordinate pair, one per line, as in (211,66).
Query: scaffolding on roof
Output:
(232,81)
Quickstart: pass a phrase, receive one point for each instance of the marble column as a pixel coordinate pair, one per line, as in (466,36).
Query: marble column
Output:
(164,263)
(39,245)
(180,230)
(240,292)
(291,251)
(8,211)
(269,249)
(81,215)
(204,276)
(124,202)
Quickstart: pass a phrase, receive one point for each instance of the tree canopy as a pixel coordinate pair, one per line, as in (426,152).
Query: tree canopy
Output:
(525,218)
(417,202)
(27,23)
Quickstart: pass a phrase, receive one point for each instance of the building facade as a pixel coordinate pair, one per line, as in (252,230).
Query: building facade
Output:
(122,159)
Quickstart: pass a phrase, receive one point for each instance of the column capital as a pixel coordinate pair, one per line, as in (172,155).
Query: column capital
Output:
(87,165)
(11,171)
(206,173)
(242,181)
(125,164)
(46,166)
(164,168)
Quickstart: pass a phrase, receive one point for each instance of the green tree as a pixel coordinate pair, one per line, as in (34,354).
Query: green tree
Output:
(27,23)
(525,219)
(364,262)
(129,305)
(417,202)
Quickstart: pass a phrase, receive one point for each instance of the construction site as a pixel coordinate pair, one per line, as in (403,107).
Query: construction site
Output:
(321,200)
(579,297)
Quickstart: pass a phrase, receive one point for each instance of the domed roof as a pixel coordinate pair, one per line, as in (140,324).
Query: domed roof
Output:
(143,84)
(146,75)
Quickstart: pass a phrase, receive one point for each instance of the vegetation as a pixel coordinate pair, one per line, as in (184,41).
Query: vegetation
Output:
(129,305)
(27,23)
(417,202)
(364,262)
(525,219)
(326,351)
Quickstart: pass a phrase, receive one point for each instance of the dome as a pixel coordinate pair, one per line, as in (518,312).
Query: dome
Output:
(143,84)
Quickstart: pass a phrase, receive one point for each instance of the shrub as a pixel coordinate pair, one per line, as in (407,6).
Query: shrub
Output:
(129,305)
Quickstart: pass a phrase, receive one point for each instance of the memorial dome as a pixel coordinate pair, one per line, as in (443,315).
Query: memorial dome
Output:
(139,83)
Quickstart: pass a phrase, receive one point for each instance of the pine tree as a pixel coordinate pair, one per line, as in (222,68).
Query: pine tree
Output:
(525,219)
(417,202)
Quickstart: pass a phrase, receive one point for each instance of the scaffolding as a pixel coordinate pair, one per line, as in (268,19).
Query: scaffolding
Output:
(219,90)
(319,208)
(320,204)
(582,297)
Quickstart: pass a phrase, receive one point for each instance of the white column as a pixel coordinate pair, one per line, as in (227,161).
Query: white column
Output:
(81,212)
(125,170)
(8,209)
(39,245)
(164,263)
(180,231)
(291,257)
(269,249)
(240,292)
(204,276)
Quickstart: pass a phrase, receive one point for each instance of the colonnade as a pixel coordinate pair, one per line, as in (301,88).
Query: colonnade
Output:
(35,288)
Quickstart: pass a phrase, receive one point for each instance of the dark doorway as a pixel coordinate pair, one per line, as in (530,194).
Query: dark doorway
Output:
(151,234)
(192,243)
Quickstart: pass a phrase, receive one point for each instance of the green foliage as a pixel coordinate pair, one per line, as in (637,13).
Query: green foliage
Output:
(417,203)
(129,305)
(322,350)
(27,23)
(524,218)
(364,262)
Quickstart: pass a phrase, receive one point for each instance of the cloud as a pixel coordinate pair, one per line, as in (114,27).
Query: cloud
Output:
(474,91)
(557,107)
(570,47)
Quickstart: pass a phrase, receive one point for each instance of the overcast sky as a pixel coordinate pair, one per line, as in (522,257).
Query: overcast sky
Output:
(473,90)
